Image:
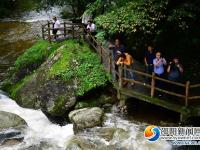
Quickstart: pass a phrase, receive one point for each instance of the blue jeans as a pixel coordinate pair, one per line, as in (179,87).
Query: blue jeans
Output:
(129,74)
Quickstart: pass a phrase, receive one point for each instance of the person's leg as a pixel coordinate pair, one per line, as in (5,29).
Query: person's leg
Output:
(159,83)
(55,33)
(130,74)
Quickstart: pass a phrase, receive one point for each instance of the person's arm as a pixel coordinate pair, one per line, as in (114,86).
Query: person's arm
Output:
(119,61)
(180,68)
(92,29)
(111,45)
(145,60)
(169,67)
(156,62)
(164,61)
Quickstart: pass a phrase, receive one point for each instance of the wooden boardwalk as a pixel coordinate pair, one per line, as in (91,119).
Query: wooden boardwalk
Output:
(185,100)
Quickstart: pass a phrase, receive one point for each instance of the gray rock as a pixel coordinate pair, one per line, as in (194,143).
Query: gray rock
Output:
(86,118)
(9,120)
(11,126)
(82,143)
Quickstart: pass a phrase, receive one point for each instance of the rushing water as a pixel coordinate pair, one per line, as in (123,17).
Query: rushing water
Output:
(40,129)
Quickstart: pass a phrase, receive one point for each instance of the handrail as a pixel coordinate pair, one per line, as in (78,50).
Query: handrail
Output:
(195,86)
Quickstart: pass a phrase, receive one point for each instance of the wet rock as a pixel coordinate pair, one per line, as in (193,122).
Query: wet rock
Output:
(9,120)
(11,137)
(86,118)
(11,128)
(83,143)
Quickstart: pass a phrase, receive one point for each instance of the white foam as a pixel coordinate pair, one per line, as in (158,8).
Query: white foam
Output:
(39,127)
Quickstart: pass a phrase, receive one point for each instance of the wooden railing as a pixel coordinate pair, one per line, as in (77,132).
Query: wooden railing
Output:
(72,30)
(106,56)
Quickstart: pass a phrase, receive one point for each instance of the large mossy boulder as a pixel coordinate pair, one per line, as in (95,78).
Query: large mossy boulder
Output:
(69,70)
(86,118)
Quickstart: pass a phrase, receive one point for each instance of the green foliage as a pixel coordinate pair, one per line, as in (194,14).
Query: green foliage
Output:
(133,16)
(36,54)
(79,62)
(101,36)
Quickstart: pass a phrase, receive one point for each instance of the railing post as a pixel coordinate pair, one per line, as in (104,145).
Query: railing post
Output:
(120,76)
(49,33)
(73,31)
(64,29)
(153,84)
(43,31)
(187,87)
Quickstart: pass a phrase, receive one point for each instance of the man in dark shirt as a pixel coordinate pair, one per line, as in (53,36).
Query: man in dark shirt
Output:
(148,59)
(118,49)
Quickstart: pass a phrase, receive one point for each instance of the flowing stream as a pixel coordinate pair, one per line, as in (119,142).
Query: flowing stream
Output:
(41,131)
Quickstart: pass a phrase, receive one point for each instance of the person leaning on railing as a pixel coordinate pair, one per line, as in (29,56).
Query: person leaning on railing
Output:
(91,28)
(127,59)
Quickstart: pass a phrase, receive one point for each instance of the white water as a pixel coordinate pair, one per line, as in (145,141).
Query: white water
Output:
(39,127)
(35,16)
(136,140)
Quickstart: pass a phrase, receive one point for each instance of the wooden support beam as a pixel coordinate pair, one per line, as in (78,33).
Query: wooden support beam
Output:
(153,84)
(65,33)
(187,87)
(43,32)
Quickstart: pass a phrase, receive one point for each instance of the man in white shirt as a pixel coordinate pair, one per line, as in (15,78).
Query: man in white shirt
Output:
(91,28)
(56,26)
(159,69)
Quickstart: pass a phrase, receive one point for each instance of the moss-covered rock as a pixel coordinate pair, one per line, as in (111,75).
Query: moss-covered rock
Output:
(67,70)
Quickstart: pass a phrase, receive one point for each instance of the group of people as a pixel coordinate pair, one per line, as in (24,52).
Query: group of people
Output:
(90,28)
(154,62)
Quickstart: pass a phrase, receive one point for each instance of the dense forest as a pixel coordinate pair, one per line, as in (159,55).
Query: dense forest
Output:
(172,26)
